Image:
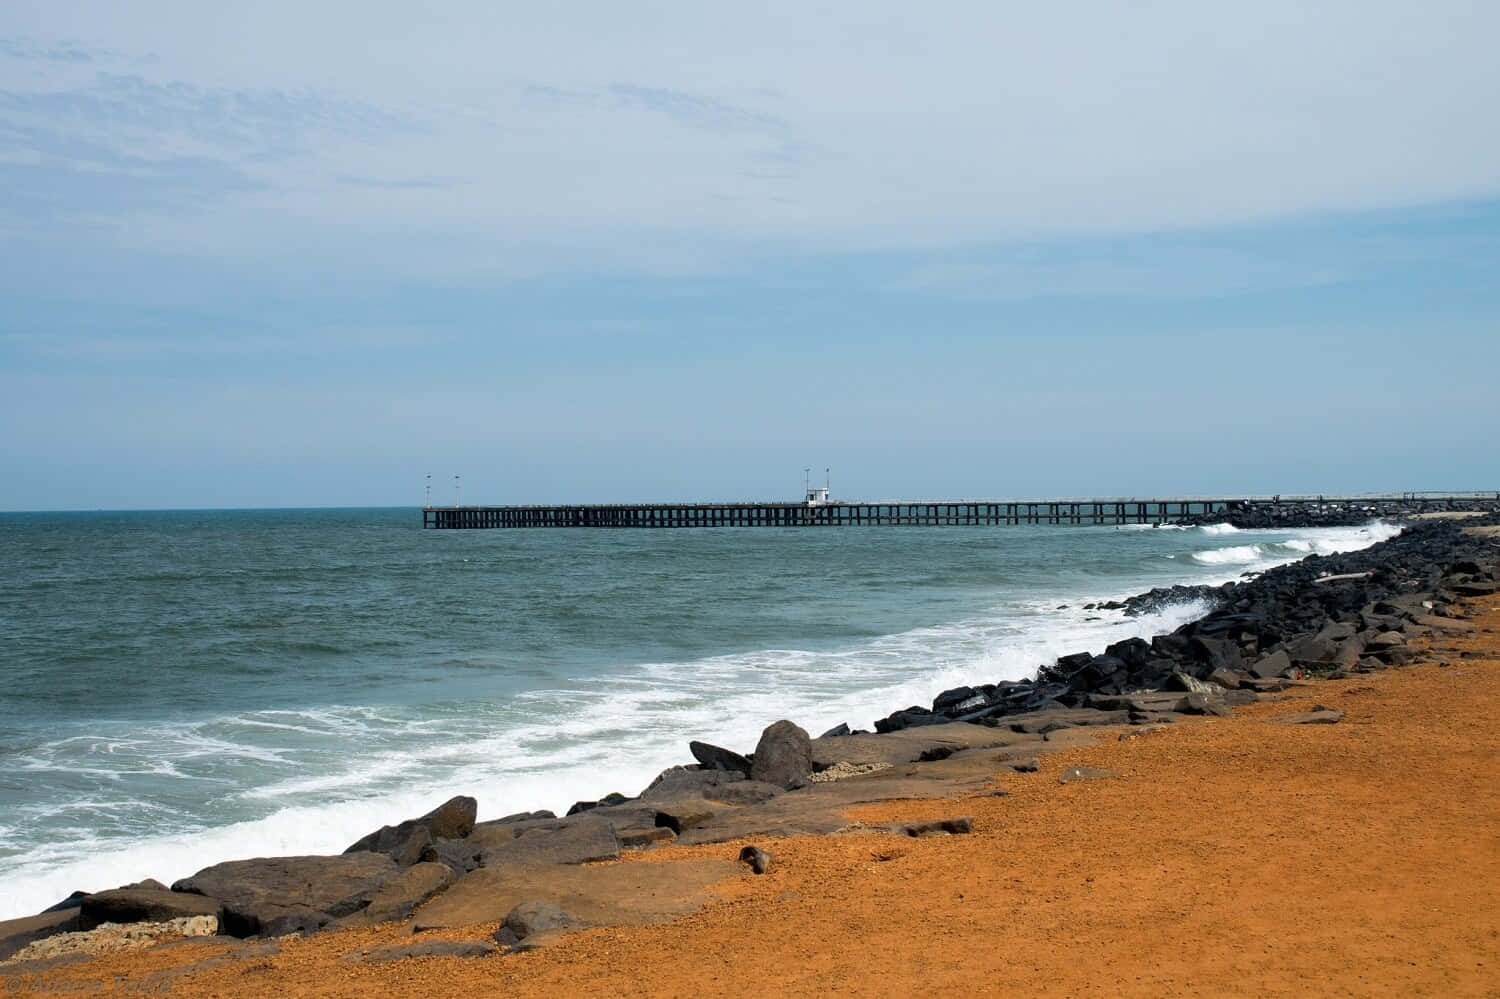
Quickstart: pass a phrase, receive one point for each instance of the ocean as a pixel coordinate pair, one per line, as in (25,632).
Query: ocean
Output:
(183,688)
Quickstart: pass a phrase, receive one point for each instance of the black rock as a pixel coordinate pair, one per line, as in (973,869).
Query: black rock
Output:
(717,758)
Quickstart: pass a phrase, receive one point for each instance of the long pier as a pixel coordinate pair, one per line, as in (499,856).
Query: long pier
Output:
(904,513)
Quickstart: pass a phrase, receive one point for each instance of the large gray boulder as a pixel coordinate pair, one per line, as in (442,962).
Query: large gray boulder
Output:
(271,895)
(783,756)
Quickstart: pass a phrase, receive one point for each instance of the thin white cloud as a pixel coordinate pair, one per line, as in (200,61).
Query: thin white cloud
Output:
(562,135)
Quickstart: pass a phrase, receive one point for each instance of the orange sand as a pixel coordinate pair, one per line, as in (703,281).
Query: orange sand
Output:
(1234,857)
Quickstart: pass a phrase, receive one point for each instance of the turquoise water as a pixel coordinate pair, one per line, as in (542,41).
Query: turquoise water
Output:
(187,687)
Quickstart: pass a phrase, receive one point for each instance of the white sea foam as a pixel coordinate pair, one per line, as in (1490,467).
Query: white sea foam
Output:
(1216,529)
(1237,555)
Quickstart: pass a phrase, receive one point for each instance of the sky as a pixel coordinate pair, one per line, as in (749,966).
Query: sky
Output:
(290,254)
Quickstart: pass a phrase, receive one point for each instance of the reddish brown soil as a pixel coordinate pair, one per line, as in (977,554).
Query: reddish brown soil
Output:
(1233,857)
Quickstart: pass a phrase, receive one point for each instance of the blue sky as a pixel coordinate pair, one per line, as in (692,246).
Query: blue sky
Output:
(282,257)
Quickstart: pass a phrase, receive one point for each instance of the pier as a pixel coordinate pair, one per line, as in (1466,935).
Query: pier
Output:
(820,511)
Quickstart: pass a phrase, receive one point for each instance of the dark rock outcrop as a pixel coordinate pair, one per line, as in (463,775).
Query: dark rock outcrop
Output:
(270,896)
(453,819)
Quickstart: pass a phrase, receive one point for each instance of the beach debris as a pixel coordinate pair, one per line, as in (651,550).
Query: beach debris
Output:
(114,937)
(1072,774)
(843,769)
(758,860)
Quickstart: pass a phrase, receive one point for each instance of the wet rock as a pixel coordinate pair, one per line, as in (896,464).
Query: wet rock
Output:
(783,756)
(842,728)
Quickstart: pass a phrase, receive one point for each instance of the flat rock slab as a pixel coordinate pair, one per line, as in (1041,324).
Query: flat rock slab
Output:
(579,842)
(609,895)
(422,948)
(1072,774)
(1326,716)
(818,809)
(908,745)
(399,897)
(263,893)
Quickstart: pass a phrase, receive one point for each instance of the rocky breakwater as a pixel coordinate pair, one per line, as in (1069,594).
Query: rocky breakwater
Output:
(1347,613)
(541,875)
(1262,515)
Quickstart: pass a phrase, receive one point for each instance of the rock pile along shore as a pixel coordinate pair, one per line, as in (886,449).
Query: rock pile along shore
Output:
(1321,617)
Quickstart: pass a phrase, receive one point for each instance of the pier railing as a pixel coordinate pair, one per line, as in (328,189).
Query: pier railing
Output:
(902,513)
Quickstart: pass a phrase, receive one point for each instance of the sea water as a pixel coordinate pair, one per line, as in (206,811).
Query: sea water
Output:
(183,688)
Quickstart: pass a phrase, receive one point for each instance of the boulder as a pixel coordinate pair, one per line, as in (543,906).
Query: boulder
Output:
(399,897)
(717,758)
(684,814)
(538,916)
(579,842)
(1218,653)
(18,933)
(1268,667)
(783,756)
(460,855)
(144,905)
(939,827)
(257,894)
(682,782)
(842,728)
(453,819)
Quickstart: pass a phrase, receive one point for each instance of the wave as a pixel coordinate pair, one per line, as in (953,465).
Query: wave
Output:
(1216,529)
(1237,555)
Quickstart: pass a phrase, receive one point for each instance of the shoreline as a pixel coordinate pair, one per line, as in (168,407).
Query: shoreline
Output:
(1407,565)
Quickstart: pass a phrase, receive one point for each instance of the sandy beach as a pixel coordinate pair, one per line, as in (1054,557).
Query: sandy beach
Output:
(1231,856)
